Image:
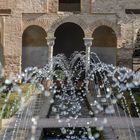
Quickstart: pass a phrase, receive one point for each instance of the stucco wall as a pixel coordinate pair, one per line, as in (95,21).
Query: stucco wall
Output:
(106,54)
(34,56)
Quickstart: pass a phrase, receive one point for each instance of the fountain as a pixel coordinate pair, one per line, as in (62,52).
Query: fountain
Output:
(78,99)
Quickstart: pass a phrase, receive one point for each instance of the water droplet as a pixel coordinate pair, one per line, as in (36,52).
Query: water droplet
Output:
(47,93)
(8,82)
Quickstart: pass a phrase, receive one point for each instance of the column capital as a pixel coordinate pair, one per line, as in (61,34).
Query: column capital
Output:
(88,41)
(50,41)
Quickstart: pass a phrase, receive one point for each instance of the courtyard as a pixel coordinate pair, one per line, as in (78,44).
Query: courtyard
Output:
(70,70)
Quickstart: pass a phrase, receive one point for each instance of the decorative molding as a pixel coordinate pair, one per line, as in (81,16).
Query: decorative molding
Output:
(73,19)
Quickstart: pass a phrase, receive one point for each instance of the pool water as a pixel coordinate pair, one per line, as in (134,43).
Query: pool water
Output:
(67,134)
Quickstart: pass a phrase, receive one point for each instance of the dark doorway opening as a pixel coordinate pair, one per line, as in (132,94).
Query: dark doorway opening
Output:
(69,38)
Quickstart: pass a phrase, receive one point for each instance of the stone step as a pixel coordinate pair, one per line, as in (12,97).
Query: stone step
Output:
(109,134)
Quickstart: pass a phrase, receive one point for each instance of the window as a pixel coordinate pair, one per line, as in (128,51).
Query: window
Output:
(132,11)
(69,5)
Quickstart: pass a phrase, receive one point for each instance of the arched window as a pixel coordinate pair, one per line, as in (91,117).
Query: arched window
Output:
(69,5)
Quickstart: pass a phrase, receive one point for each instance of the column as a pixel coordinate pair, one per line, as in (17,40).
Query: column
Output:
(88,44)
(50,43)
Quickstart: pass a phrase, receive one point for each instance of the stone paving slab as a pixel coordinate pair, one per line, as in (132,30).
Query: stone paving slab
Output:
(114,122)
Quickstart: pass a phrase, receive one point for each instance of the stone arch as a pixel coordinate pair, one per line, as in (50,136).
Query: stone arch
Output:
(110,24)
(34,47)
(105,44)
(104,36)
(73,19)
(39,22)
(69,38)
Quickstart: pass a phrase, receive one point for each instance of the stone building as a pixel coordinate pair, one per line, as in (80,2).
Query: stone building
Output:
(32,31)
